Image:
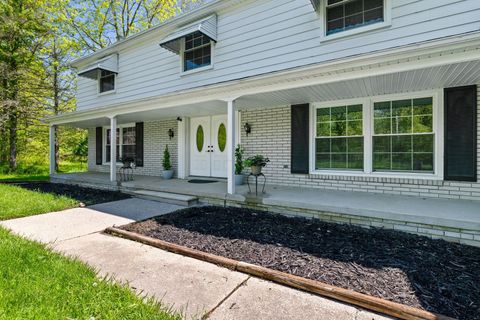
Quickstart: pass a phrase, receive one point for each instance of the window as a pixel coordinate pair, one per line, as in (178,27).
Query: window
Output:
(198,51)
(106,81)
(339,141)
(388,136)
(403,138)
(125,149)
(343,15)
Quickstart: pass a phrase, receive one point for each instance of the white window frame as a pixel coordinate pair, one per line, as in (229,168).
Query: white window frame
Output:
(99,84)
(437,96)
(120,137)
(387,22)
(182,59)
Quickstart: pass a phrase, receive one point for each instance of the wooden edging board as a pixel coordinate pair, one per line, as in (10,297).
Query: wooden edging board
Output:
(349,296)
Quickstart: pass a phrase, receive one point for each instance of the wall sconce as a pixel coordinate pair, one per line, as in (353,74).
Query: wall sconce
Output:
(248,128)
(171,134)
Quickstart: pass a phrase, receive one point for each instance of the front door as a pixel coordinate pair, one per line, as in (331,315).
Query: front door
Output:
(208,146)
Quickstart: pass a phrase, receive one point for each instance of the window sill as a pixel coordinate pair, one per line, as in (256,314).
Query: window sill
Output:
(393,175)
(119,164)
(352,32)
(100,94)
(186,73)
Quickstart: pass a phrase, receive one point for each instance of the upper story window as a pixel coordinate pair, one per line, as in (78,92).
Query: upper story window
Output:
(343,15)
(198,51)
(106,81)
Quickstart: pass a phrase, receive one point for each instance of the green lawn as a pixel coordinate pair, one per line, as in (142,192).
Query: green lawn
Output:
(16,202)
(36,283)
(38,172)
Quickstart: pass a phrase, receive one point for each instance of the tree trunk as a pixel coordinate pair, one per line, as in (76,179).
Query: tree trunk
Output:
(13,120)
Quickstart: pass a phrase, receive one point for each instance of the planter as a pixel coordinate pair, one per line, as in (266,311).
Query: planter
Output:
(239,179)
(256,170)
(167,174)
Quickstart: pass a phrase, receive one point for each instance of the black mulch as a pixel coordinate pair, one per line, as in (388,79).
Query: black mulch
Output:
(87,196)
(434,275)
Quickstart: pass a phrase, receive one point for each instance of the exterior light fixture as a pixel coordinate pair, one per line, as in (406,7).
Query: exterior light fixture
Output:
(179,119)
(248,128)
(171,134)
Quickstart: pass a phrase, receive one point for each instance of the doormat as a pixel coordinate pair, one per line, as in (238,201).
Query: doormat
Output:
(199,181)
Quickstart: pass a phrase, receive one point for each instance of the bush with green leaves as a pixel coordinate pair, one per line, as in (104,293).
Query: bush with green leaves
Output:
(239,159)
(167,164)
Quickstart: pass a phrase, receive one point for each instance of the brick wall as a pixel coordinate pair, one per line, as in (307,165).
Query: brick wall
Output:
(271,137)
(156,137)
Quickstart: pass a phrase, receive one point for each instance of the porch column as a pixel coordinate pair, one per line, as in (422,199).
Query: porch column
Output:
(113,148)
(52,149)
(231,132)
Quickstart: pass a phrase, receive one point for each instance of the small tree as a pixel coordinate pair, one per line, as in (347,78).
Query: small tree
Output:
(167,165)
(239,159)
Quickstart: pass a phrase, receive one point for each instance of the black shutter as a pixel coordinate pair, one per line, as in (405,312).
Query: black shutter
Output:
(299,138)
(139,144)
(461,134)
(98,145)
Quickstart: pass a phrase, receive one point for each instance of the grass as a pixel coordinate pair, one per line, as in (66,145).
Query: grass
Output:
(36,283)
(38,172)
(16,202)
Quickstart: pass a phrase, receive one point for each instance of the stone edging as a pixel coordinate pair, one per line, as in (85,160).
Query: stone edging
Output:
(349,296)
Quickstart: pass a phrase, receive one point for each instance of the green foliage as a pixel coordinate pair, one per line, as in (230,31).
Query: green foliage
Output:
(239,159)
(166,162)
(257,160)
(32,202)
(40,284)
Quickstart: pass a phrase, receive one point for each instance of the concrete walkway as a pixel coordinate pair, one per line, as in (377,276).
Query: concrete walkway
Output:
(195,288)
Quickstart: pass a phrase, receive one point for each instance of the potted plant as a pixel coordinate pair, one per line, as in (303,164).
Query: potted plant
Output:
(239,177)
(256,163)
(167,165)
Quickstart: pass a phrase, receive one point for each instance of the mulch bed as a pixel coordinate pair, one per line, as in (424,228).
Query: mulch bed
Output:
(87,196)
(433,275)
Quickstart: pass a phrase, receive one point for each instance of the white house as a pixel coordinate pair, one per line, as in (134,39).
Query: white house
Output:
(373,96)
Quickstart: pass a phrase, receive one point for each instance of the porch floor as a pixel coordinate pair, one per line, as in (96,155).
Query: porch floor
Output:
(453,214)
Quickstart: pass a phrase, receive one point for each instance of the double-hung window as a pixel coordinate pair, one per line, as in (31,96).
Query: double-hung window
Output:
(339,140)
(343,15)
(126,143)
(106,81)
(197,52)
(403,138)
(378,136)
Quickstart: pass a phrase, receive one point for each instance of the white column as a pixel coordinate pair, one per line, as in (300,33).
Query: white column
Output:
(182,148)
(113,148)
(52,149)
(231,132)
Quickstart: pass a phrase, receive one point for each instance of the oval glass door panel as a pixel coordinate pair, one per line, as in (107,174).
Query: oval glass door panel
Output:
(222,137)
(200,138)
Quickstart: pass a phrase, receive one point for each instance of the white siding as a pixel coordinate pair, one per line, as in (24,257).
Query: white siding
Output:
(270,35)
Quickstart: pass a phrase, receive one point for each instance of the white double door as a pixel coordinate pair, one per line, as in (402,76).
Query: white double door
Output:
(208,146)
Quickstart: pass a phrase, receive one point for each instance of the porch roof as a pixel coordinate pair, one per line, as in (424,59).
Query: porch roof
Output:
(415,68)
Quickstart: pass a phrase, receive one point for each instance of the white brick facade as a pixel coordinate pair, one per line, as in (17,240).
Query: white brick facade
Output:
(270,136)
(155,139)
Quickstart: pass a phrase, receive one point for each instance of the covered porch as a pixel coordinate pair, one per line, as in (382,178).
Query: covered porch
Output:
(407,72)
(452,220)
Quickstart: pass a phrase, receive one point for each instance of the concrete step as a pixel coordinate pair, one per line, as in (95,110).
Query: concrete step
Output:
(167,197)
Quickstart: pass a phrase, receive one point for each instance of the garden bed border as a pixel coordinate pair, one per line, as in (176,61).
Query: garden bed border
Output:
(316,287)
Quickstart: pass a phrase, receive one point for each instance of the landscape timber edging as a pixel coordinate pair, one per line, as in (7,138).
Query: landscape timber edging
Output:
(316,287)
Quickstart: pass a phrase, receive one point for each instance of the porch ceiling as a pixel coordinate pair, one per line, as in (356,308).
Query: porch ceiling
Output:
(452,75)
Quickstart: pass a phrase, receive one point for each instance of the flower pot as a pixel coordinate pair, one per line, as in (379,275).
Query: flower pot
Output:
(239,179)
(256,170)
(167,174)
